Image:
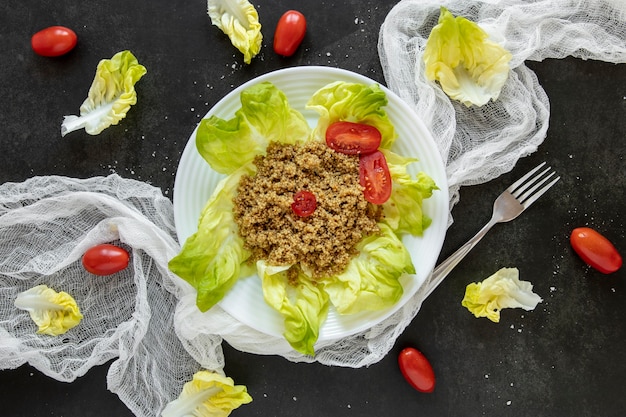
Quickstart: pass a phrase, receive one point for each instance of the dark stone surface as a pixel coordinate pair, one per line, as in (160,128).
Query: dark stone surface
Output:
(566,358)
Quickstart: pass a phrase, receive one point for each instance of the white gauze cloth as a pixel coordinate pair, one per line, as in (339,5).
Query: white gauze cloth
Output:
(478,144)
(46,224)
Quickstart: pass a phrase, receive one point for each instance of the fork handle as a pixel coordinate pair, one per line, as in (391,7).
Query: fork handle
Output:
(444,268)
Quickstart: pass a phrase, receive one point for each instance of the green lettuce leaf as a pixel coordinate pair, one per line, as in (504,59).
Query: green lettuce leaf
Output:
(352,102)
(371,280)
(265,115)
(240,21)
(501,290)
(208,394)
(303,304)
(469,67)
(403,210)
(211,259)
(110,96)
(53,312)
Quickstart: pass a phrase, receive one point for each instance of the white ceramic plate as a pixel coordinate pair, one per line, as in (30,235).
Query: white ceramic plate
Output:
(195,182)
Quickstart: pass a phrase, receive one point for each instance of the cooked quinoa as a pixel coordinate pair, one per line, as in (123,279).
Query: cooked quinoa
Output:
(323,242)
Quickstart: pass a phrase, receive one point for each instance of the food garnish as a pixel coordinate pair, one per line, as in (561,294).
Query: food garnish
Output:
(53,312)
(353,138)
(239,20)
(304,203)
(110,96)
(469,66)
(208,394)
(501,290)
(375,177)
(290,31)
(595,250)
(243,147)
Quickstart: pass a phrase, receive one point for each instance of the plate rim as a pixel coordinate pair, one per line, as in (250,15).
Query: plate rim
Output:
(343,75)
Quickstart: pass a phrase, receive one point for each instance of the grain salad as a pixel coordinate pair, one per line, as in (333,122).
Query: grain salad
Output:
(323,243)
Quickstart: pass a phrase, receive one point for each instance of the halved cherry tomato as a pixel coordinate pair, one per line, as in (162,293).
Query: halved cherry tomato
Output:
(105,259)
(53,41)
(304,203)
(289,33)
(353,138)
(375,177)
(416,370)
(596,250)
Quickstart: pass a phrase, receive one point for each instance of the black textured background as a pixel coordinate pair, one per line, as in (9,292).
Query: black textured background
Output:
(565,358)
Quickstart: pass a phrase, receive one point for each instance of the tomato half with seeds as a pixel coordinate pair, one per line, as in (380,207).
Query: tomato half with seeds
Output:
(304,203)
(53,41)
(416,369)
(595,250)
(375,177)
(105,259)
(353,138)
(289,33)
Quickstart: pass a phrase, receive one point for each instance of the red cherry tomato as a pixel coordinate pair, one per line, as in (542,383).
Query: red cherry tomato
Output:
(289,33)
(375,177)
(352,138)
(596,250)
(416,369)
(304,203)
(105,259)
(53,41)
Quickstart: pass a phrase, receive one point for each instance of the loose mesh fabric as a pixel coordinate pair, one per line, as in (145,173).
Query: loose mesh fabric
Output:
(478,144)
(145,319)
(46,224)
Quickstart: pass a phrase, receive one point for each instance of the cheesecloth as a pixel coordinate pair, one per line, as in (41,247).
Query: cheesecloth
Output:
(46,224)
(478,144)
(145,319)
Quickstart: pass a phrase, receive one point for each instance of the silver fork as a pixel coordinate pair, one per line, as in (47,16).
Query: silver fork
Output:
(510,204)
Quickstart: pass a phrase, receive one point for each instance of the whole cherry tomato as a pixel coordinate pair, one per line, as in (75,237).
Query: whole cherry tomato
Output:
(105,259)
(53,41)
(352,138)
(596,250)
(375,177)
(304,203)
(416,369)
(289,33)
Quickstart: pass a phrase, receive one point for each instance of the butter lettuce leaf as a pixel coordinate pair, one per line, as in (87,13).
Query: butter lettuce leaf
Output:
(352,102)
(211,260)
(403,210)
(265,115)
(110,96)
(501,290)
(208,394)
(303,304)
(371,280)
(53,312)
(469,66)
(240,21)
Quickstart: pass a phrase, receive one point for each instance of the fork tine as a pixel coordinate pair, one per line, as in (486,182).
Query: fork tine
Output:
(539,193)
(513,187)
(525,189)
(533,181)
(536,183)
